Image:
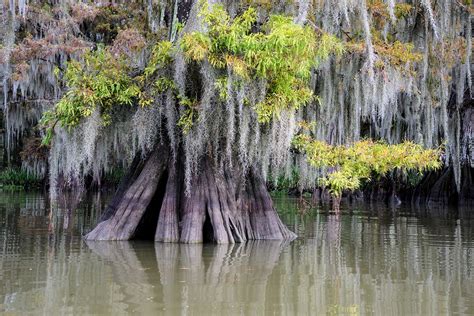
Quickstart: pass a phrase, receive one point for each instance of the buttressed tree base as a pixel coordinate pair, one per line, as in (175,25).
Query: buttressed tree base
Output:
(151,204)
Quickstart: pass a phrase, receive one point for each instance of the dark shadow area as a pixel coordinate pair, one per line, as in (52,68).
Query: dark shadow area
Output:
(207,230)
(147,227)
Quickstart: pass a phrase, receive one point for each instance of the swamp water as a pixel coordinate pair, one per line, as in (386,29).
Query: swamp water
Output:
(370,262)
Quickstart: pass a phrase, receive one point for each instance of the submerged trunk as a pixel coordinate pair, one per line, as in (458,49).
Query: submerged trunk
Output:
(219,208)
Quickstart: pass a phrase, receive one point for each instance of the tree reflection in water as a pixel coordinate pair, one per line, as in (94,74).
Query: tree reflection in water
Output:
(195,278)
(364,263)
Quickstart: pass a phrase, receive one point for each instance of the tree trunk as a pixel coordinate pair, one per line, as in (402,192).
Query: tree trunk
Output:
(131,206)
(218,208)
(167,228)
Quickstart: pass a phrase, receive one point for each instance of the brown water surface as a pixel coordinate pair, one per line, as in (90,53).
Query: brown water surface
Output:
(370,262)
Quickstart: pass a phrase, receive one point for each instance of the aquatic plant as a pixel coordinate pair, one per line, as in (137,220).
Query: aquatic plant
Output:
(12,178)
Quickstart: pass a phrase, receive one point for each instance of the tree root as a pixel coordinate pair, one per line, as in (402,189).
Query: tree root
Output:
(218,208)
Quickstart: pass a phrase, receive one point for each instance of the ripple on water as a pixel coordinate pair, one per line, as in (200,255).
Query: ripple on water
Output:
(364,263)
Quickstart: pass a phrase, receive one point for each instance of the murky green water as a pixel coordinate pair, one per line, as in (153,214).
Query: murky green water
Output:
(367,263)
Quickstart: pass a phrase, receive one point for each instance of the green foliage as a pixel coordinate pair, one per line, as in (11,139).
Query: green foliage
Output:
(284,183)
(402,10)
(163,84)
(221,86)
(328,45)
(196,45)
(160,56)
(153,82)
(99,82)
(353,164)
(282,52)
(18,178)
(189,114)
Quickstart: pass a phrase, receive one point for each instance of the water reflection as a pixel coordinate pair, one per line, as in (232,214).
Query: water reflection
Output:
(356,264)
(193,278)
(397,267)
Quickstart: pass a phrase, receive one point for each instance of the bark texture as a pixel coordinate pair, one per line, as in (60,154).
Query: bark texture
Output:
(220,206)
(130,206)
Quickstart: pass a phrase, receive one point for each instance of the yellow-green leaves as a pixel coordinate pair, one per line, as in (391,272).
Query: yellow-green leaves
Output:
(327,45)
(102,80)
(99,82)
(221,87)
(281,52)
(402,10)
(352,164)
(195,45)
(163,84)
(160,57)
(398,54)
(188,114)
(340,180)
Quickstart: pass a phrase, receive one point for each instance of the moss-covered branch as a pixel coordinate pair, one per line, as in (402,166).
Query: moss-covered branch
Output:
(281,52)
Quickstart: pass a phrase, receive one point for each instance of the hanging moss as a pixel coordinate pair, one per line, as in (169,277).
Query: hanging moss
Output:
(99,83)
(403,74)
(282,52)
